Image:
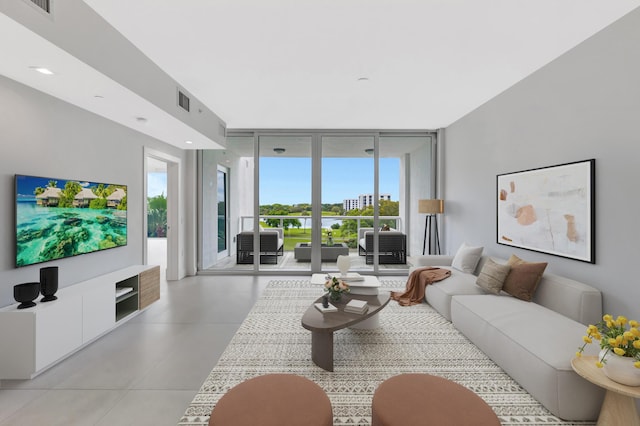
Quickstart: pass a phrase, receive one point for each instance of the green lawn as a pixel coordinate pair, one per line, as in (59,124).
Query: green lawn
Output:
(292,236)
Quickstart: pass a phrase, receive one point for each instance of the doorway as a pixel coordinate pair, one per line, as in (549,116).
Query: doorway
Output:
(157,213)
(223,211)
(165,249)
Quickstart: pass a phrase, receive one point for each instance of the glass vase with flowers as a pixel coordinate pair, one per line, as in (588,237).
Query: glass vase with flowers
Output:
(335,287)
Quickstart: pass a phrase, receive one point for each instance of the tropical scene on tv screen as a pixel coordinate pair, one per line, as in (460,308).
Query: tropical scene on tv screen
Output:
(58,218)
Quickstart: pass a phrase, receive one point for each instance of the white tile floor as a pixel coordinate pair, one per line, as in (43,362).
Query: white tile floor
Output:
(147,371)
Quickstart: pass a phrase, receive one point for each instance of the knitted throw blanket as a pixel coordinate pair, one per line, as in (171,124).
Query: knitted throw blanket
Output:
(416,284)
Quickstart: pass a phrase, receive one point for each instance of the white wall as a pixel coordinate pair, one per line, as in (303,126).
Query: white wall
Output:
(420,184)
(585,104)
(44,136)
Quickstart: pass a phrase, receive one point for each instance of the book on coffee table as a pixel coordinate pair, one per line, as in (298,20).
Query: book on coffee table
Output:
(322,309)
(356,306)
(350,277)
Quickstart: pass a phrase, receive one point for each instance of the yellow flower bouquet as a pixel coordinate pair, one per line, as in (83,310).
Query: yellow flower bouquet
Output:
(335,287)
(614,336)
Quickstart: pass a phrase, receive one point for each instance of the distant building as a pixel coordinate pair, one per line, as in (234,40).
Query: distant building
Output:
(363,201)
(350,204)
(366,200)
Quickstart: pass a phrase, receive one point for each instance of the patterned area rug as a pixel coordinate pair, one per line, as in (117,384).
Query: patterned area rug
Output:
(410,340)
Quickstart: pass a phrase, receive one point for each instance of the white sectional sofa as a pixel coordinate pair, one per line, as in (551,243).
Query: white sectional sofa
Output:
(533,342)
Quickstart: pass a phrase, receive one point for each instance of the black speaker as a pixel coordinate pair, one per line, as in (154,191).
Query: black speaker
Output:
(48,283)
(26,294)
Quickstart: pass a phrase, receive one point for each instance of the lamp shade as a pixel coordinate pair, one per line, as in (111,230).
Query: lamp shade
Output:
(431,206)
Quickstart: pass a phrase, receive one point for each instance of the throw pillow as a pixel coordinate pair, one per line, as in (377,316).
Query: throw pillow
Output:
(466,259)
(492,276)
(523,278)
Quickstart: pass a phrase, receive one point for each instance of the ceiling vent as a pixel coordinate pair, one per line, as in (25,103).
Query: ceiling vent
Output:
(183,101)
(45,5)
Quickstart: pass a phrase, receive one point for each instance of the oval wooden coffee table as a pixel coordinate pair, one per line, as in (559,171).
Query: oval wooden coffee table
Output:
(322,325)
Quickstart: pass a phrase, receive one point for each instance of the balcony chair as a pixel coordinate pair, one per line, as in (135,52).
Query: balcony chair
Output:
(392,246)
(271,246)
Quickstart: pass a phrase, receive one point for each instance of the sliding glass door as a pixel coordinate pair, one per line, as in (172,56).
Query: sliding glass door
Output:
(295,200)
(285,207)
(348,199)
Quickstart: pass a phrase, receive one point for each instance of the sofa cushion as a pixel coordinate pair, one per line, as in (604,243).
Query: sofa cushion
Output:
(571,298)
(534,345)
(492,276)
(523,278)
(439,294)
(466,258)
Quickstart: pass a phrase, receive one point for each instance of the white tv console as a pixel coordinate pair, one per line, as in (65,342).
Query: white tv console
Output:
(34,339)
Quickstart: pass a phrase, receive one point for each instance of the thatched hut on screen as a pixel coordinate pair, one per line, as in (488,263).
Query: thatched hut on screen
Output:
(114,200)
(49,198)
(83,198)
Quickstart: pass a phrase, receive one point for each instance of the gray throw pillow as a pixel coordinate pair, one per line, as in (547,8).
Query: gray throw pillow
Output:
(492,276)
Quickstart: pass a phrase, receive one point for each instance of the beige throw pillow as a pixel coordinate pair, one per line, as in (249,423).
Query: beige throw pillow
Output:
(523,278)
(492,276)
(466,259)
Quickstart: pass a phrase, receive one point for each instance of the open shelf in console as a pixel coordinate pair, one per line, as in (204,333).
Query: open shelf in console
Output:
(34,339)
(127,299)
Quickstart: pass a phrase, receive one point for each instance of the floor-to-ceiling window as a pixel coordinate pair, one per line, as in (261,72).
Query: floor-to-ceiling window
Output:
(323,193)
(348,198)
(223,225)
(285,174)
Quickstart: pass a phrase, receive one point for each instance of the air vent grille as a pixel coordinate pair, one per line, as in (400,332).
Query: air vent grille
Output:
(43,4)
(183,101)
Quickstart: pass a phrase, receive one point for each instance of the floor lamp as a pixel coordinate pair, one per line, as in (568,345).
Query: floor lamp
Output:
(431,208)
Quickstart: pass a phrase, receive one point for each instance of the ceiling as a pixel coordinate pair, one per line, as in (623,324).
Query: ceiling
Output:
(296,63)
(286,64)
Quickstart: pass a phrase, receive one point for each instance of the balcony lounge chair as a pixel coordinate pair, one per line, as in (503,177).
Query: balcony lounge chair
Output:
(271,246)
(392,246)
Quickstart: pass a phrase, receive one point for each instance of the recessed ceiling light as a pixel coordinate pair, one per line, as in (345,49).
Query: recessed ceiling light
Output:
(363,79)
(98,96)
(369,151)
(42,70)
(141,119)
(188,142)
(279,150)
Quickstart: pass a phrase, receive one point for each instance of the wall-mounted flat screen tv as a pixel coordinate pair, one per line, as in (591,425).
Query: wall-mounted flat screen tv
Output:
(57,218)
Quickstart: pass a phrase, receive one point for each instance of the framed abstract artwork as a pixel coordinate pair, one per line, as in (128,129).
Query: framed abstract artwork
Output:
(549,210)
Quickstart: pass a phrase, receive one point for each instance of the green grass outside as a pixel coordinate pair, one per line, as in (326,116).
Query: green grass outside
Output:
(292,236)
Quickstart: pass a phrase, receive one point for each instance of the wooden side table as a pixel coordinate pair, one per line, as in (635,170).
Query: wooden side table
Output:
(619,407)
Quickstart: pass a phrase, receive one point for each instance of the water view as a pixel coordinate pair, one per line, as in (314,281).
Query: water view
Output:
(45,233)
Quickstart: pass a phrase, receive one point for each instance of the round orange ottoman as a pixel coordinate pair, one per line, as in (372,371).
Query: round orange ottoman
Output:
(274,400)
(422,399)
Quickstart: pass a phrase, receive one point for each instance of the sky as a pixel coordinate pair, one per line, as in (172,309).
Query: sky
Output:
(26,185)
(156,184)
(288,180)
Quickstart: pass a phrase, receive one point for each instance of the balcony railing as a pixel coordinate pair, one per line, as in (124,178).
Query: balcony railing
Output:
(302,234)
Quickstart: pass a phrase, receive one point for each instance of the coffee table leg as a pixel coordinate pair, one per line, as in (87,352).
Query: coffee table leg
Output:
(618,409)
(370,323)
(322,350)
